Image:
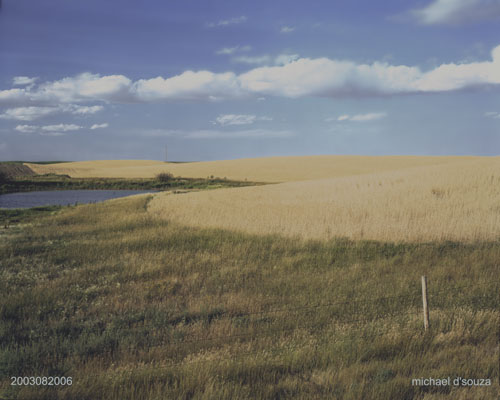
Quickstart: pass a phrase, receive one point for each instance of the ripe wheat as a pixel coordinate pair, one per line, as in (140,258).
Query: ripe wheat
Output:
(457,201)
(270,169)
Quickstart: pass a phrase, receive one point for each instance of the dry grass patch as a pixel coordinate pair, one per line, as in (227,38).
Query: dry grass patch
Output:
(457,201)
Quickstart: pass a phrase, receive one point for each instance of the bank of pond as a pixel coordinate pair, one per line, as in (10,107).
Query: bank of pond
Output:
(62,197)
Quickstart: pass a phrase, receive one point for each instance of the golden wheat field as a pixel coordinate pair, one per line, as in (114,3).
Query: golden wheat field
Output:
(456,199)
(269,169)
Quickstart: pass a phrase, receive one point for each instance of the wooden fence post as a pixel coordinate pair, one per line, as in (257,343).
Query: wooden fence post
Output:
(425,303)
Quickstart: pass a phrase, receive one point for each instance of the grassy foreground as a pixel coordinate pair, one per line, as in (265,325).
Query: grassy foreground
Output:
(133,307)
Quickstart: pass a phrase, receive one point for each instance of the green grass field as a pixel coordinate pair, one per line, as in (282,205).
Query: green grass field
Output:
(136,308)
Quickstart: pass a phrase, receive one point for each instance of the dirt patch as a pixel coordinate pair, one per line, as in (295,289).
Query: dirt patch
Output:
(13,170)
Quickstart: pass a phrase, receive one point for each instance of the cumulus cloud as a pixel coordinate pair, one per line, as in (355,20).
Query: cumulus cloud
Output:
(86,86)
(458,11)
(362,117)
(287,29)
(284,59)
(333,78)
(329,78)
(226,22)
(83,87)
(99,126)
(201,85)
(322,77)
(23,80)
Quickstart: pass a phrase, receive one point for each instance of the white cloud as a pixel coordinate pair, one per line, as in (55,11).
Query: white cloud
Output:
(287,29)
(26,128)
(458,11)
(27,113)
(83,87)
(333,78)
(239,119)
(281,59)
(232,50)
(201,85)
(99,126)
(81,110)
(235,119)
(60,128)
(284,59)
(226,22)
(48,130)
(329,78)
(13,96)
(301,77)
(33,112)
(368,117)
(23,80)
(359,117)
(252,59)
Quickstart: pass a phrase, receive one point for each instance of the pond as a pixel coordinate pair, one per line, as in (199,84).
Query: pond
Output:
(62,197)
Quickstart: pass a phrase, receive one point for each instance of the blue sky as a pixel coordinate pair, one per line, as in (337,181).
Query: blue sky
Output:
(231,79)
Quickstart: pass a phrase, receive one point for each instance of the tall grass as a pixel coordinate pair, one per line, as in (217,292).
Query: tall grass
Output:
(455,201)
(133,307)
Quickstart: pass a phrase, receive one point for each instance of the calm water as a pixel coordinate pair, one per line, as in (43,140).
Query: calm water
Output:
(62,197)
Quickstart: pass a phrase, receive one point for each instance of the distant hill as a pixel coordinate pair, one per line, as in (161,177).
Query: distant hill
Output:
(266,169)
